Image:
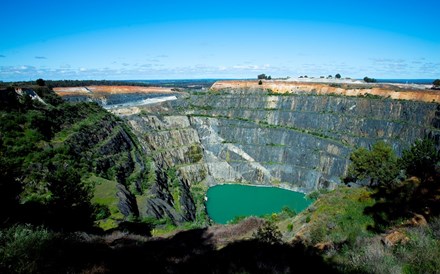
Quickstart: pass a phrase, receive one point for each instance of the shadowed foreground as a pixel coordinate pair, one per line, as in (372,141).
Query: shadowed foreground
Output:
(186,252)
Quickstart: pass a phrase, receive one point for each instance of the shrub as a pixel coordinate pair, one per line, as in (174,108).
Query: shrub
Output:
(101,212)
(377,165)
(421,254)
(264,77)
(22,248)
(287,212)
(41,82)
(420,160)
(436,84)
(369,80)
(314,195)
(268,233)
(368,255)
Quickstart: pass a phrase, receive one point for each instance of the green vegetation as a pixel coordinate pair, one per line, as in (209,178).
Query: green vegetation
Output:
(40,82)
(264,77)
(105,195)
(195,153)
(335,85)
(198,191)
(398,197)
(369,80)
(338,216)
(63,165)
(369,254)
(268,233)
(376,166)
(52,157)
(75,83)
(338,76)
(24,248)
(339,227)
(420,159)
(436,84)
(390,225)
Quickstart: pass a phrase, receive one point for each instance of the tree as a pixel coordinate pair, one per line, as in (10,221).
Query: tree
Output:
(69,203)
(338,76)
(420,160)
(369,80)
(268,233)
(41,82)
(260,82)
(9,188)
(436,84)
(378,165)
(264,77)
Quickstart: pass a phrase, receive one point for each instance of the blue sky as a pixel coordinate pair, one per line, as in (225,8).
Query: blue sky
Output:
(219,39)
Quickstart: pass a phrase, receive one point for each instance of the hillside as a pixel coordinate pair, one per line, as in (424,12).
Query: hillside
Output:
(77,167)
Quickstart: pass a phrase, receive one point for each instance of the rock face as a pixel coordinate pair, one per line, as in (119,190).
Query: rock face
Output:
(300,141)
(113,154)
(176,154)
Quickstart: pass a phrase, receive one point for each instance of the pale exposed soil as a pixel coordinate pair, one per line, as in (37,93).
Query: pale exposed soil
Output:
(66,91)
(400,91)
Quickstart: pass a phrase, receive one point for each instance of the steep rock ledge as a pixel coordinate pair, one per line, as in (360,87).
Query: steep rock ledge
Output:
(177,159)
(299,141)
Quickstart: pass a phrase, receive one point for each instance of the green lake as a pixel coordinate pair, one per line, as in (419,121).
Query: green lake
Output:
(228,201)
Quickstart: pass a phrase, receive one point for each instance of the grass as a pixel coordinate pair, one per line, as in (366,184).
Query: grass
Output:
(142,202)
(23,248)
(90,121)
(338,219)
(105,194)
(337,216)
(163,227)
(422,253)
(370,255)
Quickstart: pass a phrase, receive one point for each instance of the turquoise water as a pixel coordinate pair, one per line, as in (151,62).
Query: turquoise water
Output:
(228,201)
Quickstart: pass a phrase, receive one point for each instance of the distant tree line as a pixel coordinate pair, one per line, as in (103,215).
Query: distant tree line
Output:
(264,77)
(81,83)
(71,83)
(337,76)
(369,80)
(436,84)
(190,84)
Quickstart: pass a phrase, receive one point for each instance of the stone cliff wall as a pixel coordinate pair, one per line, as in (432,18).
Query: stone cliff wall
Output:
(175,148)
(299,141)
